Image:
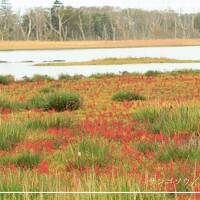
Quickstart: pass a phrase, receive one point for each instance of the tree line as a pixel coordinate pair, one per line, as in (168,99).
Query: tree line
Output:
(92,23)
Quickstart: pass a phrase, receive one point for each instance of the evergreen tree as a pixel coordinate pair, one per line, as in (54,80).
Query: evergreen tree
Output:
(55,10)
(197,22)
(5,6)
(57,4)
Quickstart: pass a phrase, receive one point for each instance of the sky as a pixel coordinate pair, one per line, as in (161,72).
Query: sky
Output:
(178,5)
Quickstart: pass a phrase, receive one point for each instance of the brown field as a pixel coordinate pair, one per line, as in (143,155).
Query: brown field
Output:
(34,45)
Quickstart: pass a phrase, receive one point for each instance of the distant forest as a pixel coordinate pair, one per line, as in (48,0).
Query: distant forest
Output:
(107,23)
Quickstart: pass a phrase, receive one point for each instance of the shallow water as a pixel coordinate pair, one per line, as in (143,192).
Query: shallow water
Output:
(29,70)
(15,60)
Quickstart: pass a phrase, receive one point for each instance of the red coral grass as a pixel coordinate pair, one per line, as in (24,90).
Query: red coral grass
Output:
(40,146)
(60,132)
(5,112)
(43,167)
(12,168)
(197,190)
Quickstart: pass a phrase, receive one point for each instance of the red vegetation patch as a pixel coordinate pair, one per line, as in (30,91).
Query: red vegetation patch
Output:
(43,167)
(61,132)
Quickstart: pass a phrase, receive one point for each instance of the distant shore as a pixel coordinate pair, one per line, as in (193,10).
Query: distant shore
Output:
(119,61)
(45,45)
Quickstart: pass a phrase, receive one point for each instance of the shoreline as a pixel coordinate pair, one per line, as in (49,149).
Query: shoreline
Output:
(7,79)
(56,45)
(118,61)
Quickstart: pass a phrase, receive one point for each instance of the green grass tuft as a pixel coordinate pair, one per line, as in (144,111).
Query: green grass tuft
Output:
(5,80)
(127,96)
(59,101)
(25,160)
(64,101)
(12,105)
(11,134)
(174,153)
(169,120)
(54,121)
(64,77)
(145,147)
(47,90)
(86,153)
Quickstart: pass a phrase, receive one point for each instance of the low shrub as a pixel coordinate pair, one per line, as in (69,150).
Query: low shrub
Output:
(127,96)
(5,80)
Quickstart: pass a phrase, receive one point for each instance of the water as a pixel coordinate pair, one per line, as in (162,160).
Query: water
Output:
(16,60)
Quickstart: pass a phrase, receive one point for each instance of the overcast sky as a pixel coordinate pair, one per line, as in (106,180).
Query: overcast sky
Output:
(183,5)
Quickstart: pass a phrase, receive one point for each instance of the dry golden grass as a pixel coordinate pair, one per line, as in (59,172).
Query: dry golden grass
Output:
(33,45)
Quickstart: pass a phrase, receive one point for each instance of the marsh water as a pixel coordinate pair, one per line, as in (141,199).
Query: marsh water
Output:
(21,63)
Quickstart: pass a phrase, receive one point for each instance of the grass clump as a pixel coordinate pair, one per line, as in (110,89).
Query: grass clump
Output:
(64,77)
(174,153)
(59,101)
(127,96)
(104,75)
(25,160)
(47,90)
(153,73)
(64,101)
(6,104)
(38,77)
(86,153)
(145,147)
(91,153)
(45,123)
(170,120)
(5,80)
(38,101)
(10,134)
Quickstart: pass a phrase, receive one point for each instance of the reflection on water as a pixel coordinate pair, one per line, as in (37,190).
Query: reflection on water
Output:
(20,63)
